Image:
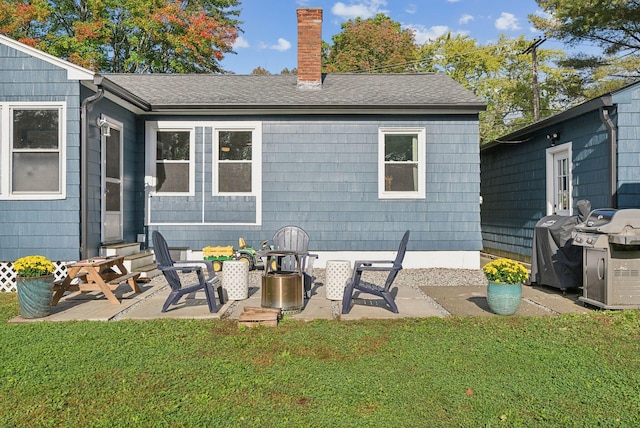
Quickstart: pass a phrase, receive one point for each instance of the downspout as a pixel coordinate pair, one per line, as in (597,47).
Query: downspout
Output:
(613,163)
(87,105)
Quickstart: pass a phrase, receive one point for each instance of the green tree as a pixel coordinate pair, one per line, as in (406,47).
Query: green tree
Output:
(501,75)
(125,36)
(259,70)
(377,44)
(613,25)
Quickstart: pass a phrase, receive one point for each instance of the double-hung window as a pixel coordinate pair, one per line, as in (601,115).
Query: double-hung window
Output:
(401,163)
(32,147)
(174,161)
(234,160)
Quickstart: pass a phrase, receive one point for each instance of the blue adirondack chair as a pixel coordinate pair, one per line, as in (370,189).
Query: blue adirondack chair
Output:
(170,269)
(358,285)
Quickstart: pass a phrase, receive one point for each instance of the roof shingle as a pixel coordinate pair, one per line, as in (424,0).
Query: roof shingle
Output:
(417,90)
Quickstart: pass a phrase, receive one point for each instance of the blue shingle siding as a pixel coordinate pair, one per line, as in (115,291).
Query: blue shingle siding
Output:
(628,102)
(322,174)
(513,176)
(47,227)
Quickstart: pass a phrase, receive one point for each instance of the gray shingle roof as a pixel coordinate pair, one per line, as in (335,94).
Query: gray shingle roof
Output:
(409,91)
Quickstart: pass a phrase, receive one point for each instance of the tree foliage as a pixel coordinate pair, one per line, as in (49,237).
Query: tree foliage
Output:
(125,36)
(501,75)
(613,25)
(377,44)
(260,70)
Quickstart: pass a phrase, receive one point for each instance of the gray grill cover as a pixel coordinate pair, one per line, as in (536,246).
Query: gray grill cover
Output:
(555,262)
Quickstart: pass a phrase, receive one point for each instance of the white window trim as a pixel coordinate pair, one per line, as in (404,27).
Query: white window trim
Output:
(6,128)
(152,143)
(256,177)
(550,152)
(256,154)
(422,154)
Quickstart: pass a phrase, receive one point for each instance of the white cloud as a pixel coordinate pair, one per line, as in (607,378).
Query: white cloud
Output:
(507,21)
(422,34)
(364,9)
(283,45)
(453,1)
(411,9)
(465,19)
(240,43)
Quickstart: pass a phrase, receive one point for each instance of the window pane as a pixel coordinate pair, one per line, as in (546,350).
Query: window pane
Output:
(113,154)
(36,172)
(401,178)
(113,197)
(234,177)
(172,177)
(35,129)
(401,148)
(234,145)
(173,145)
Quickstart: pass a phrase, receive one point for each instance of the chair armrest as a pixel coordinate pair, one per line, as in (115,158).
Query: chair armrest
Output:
(372,262)
(183,269)
(197,264)
(363,265)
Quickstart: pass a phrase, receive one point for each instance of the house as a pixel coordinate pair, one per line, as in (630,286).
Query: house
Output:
(590,152)
(90,159)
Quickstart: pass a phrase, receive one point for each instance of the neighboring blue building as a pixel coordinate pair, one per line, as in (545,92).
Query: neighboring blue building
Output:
(354,159)
(591,151)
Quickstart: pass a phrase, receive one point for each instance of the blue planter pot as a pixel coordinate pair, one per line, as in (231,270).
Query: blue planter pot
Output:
(34,296)
(504,299)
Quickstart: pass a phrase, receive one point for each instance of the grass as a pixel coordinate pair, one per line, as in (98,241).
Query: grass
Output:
(572,370)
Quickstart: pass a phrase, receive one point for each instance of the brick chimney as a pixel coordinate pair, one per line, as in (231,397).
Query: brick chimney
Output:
(309,48)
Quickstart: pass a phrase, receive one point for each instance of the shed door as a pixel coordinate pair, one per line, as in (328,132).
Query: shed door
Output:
(559,180)
(112,184)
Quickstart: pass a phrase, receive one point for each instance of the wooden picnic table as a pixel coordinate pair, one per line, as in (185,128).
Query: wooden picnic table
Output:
(96,274)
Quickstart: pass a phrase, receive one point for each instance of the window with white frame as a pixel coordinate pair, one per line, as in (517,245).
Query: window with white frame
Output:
(234,160)
(401,163)
(174,161)
(32,148)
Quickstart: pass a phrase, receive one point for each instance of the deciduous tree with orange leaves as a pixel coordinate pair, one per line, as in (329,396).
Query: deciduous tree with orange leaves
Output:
(127,36)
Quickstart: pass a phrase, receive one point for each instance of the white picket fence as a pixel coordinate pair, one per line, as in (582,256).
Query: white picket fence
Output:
(8,275)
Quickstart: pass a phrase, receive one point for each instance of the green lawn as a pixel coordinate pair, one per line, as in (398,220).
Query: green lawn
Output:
(573,370)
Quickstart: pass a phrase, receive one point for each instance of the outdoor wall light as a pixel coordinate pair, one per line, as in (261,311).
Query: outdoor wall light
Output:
(105,129)
(553,137)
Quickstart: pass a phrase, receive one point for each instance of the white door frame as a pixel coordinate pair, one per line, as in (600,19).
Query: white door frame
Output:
(112,224)
(555,153)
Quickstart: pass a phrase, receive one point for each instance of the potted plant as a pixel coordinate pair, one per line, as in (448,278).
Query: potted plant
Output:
(504,291)
(35,285)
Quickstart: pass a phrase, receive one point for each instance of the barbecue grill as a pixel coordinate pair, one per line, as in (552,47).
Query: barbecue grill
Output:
(610,241)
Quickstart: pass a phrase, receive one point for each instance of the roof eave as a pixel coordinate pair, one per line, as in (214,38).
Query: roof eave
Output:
(319,109)
(122,93)
(521,134)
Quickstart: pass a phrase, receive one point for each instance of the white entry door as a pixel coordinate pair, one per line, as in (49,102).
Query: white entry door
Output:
(559,180)
(112,182)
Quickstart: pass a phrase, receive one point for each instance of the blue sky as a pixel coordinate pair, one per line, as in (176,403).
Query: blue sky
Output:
(270,28)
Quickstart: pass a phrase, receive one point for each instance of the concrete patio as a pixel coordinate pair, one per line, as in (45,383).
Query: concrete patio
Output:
(412,298)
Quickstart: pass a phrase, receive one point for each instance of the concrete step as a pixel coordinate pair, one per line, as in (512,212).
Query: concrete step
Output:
(148,271)
(133,261)
(123,249)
